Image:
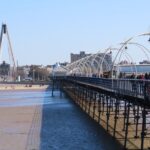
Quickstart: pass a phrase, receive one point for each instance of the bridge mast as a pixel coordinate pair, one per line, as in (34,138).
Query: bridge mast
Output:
(4,31)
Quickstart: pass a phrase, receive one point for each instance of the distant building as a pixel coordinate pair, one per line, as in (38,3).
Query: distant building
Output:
(23,71)
(75,57)
(125,62)
(129,69)
(4,69)
(145,62)
(63,64)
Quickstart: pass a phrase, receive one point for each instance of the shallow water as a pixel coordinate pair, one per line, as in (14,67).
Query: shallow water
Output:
(64,126)
(25,98)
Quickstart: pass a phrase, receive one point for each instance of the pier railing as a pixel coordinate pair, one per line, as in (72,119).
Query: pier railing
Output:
(133,87)
(121,106)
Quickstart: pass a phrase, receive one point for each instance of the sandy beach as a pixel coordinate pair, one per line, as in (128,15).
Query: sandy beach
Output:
(19,127)
(4,87)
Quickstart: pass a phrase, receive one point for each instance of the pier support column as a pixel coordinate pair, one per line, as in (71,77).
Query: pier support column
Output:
(125,115)
(107,113)
(127,125)
(52,94)
(99,108)
(116,116)
(143,133)
(137,117)
(94,105)
(86,99)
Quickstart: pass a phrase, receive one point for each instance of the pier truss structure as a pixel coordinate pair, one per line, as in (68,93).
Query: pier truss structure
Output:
(107,62)
(120,105)
(123,109)
(12,72)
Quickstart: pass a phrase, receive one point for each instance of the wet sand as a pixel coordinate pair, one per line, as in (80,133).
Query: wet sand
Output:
(19,125)
(16,124)
(4,87)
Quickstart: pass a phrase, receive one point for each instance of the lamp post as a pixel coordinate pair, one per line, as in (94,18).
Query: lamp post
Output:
(33,76)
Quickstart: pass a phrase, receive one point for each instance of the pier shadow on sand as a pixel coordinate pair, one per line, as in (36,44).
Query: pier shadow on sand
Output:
(66,127)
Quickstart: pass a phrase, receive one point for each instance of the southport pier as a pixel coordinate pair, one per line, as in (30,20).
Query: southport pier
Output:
(111,87)
(115,94)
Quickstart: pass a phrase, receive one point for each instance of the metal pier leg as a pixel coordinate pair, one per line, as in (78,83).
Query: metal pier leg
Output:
(94,106)
(99,108)
(116,117)
(143,133)
(86,96)
(103,104)
(125,115)
(75,94)
(137,117)
(60,89)
(134,113)
(52,89)
(112,104)
(79,96)
(107,114)
(127,125)
(82,98)
(90,102)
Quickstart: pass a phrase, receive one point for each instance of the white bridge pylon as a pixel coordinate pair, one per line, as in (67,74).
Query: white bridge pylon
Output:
(4,31)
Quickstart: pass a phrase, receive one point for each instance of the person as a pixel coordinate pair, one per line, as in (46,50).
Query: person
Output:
(132,76)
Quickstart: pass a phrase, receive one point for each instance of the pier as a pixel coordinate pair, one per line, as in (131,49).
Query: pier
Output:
(121,106)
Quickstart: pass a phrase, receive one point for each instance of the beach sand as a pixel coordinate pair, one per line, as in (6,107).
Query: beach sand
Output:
(20,128)
(22,87)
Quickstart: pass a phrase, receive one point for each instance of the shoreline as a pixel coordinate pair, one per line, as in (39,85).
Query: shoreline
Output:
(23,87)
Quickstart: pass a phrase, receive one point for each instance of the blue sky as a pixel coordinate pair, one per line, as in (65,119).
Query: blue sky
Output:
(47,31)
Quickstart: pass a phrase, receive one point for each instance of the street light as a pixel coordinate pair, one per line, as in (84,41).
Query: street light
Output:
(33,75)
